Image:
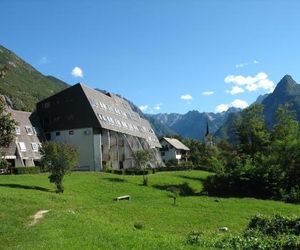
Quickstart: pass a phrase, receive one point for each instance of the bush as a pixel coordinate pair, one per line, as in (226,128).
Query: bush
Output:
(275,225)
(131,171)
(194,238)
(186,164)
(26,170)
(172,162)
(139,225)
(276,232)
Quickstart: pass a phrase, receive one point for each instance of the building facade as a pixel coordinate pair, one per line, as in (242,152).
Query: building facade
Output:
(173,149)
(102,126)
(24,150)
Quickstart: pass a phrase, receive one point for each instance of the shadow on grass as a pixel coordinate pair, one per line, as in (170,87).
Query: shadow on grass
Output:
(115,179)
(201,179)
(25,187)
(184,189)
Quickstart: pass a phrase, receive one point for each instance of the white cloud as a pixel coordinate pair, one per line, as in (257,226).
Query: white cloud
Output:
(143,107)
(236,90)
(244,64)
(237,103)
(252,83)
(222,107)
(77,72)
(157,106)
(207,93)
(43,60)
(241,65)
(186,97)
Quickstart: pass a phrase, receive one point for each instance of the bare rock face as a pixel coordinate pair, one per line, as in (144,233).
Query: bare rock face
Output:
(9,102)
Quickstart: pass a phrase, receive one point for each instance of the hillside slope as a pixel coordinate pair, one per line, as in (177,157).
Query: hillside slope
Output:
(23,84)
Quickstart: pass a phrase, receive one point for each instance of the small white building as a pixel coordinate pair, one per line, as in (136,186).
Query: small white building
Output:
(173,149)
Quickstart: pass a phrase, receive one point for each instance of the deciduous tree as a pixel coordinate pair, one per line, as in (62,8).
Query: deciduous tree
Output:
(59,159)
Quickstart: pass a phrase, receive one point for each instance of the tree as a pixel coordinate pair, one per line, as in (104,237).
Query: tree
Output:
(285,145)
(141,158)
(59,159)
(251,130)
(7,125)
(7,131)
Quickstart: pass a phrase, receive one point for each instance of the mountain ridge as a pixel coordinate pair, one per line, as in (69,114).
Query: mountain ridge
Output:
(23,84)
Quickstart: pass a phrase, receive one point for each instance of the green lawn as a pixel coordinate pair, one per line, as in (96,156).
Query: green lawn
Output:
(86,217)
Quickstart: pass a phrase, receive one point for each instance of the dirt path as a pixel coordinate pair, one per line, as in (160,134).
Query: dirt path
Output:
(37,216)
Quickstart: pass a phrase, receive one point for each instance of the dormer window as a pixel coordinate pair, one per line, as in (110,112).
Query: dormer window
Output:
(29,130)
(34,147)
(35,130)
(22,146)
(18,130)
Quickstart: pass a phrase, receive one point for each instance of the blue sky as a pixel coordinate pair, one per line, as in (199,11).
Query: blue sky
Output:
(164,55)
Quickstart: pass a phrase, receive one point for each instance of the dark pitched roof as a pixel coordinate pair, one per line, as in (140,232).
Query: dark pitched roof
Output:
(115,113)
(92,108)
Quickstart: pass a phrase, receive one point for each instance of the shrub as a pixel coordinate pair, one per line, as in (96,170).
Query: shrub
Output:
(275,225)
(194,238)
(276,232)
(27,170)
(138,225)
(172,162)
(186,164)
(131,171)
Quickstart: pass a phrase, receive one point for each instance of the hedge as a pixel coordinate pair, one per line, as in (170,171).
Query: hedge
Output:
(131,171)
(26,170)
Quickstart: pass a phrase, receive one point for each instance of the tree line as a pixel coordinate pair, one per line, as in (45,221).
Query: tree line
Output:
(263,163)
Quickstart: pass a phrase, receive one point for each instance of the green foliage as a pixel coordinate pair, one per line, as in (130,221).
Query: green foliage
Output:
(186,164)
(276,232)
(27,170)
(172,162)
(139,225)
(275,225)
(194,238)
(23,84)
(174,193)
(263,164)
(59,159)
(251,130)
(7,125)
(141,159)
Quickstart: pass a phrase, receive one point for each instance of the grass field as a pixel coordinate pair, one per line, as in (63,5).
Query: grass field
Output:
(86,217)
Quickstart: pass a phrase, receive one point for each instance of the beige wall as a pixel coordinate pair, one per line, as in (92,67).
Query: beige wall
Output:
(83,140)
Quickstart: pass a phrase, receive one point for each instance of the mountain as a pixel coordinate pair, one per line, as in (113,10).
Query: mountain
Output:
(191,125)
(286,91)
(23,84)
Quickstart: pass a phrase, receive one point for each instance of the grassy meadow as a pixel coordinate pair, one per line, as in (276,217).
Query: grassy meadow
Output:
(85,216)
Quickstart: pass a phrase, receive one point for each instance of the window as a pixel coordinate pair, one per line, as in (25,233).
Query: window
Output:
(57,133)
(70,117)
(71,132)
(22,146)
(47,105)
(29,130)
(34,147)
(18,130)
(35,130)
(56,119)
